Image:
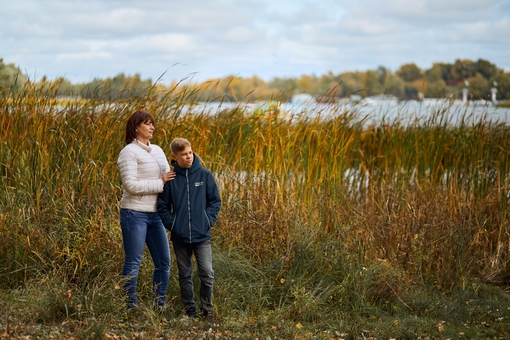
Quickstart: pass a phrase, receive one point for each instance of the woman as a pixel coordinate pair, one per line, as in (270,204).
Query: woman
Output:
(144,170)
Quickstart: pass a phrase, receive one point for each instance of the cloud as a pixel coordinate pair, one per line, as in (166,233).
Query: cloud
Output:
(214,38)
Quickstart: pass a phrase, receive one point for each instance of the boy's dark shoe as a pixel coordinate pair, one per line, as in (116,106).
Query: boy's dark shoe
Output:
(207,316)
(191,313)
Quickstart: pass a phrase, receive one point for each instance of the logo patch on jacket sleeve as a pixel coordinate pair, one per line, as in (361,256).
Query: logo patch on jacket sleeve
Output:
(197,184)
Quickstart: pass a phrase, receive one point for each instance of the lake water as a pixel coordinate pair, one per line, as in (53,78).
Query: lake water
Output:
(377,111)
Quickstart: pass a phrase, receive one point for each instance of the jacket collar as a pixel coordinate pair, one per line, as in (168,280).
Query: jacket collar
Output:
(143,146)
(194,167)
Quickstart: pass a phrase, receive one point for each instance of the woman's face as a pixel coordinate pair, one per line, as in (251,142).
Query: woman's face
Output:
(144,131)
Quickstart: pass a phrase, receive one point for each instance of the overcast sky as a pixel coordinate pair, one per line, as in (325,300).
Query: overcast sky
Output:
(204,39)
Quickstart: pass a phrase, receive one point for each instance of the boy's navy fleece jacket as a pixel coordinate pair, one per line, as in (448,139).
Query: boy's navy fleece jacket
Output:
(190,203)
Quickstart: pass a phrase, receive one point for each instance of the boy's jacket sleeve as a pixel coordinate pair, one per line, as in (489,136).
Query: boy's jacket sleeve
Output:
(165,207)
(213,199)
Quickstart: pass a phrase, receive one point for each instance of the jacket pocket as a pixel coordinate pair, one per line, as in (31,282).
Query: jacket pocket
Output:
(173,223)
(207,219)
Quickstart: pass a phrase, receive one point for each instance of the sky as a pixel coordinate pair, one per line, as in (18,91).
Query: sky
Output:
(197,40)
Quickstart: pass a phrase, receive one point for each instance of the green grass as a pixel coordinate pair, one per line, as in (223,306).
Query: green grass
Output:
(329,229)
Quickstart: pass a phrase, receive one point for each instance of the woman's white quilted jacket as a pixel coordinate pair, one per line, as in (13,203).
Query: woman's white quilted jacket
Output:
(141,167)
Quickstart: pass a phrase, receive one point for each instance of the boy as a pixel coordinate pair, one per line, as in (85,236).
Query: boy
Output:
(188,207)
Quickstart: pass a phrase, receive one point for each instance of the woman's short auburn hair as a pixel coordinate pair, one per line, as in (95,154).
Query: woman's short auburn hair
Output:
(134,121)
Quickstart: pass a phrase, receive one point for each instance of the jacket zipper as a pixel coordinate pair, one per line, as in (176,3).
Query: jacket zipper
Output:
(189,207)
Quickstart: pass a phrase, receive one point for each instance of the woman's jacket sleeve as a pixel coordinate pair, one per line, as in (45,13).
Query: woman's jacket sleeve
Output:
(133,178)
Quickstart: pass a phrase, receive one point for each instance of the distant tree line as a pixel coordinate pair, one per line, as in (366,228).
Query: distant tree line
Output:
(408,82)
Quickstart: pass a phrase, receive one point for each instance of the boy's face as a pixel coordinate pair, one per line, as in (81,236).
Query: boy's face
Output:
(184,158)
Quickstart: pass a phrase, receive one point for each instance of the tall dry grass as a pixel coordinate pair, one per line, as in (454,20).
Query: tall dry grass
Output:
(318,211)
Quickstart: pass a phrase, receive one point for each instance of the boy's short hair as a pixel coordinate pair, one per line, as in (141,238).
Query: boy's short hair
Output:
(179,144)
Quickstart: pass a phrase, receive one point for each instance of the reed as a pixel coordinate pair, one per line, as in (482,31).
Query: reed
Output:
(321,214)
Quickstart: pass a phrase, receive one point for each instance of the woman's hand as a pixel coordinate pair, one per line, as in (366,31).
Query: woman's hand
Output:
(168,176)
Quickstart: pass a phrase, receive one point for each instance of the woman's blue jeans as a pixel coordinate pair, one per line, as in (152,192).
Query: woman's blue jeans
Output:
(203,255)
(140,228)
